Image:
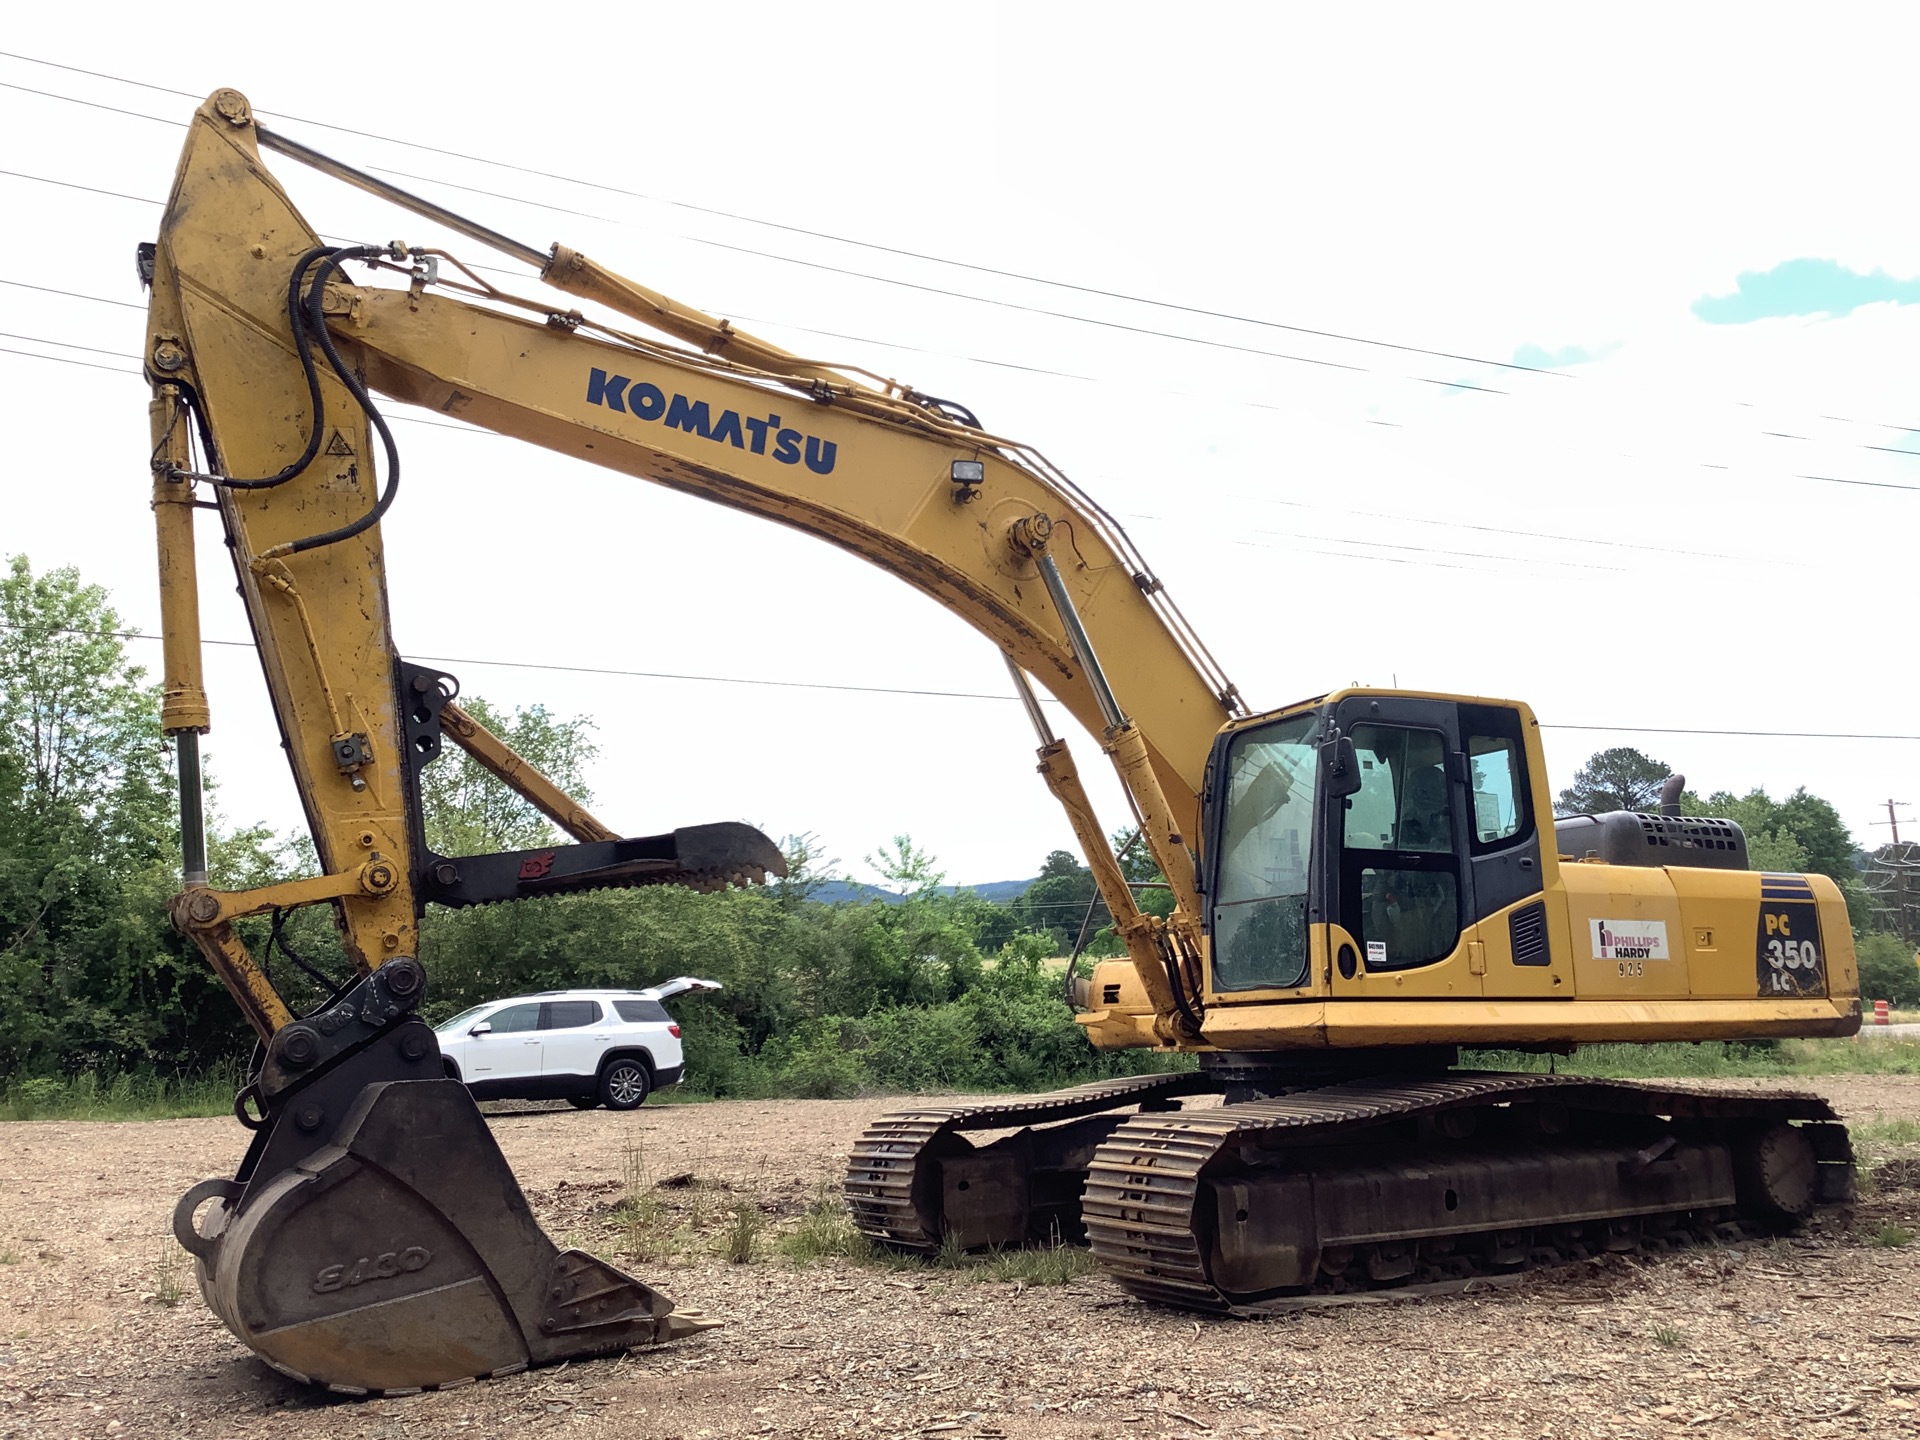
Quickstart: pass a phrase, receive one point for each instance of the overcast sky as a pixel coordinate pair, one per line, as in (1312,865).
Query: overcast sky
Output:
(1696,226)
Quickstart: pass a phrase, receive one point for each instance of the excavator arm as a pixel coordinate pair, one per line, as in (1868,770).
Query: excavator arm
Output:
(374,1238)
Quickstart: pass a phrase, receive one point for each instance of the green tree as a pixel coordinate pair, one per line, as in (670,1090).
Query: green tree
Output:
(1063,903)
(469,812)
(1143,873)
(1618,779)
(89,970)
(1801,834)
(1888,971)
(920,951)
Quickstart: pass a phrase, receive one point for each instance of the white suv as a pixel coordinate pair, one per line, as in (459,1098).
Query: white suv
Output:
(588,1047)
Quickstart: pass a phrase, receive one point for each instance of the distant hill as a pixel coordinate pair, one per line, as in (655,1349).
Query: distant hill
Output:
(853,892)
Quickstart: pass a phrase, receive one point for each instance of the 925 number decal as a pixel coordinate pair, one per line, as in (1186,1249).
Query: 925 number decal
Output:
(378,1267)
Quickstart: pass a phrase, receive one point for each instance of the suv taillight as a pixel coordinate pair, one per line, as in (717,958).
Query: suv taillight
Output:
(673,1030)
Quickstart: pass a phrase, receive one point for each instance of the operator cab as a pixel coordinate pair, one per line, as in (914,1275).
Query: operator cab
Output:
(1400,820)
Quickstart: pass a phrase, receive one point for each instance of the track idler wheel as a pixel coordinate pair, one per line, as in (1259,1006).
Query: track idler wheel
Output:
(402,1255)
(1776,1173)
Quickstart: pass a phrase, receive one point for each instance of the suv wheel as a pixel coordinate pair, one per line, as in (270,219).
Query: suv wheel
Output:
(624,1084)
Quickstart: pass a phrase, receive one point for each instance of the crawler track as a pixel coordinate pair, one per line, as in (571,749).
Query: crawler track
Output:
(1140,1206)
(887,1181)
(1150,1211)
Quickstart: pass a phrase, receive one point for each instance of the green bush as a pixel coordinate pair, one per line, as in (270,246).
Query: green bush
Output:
(935,1047)
(714,1048)
(818,1061)
(1887,971)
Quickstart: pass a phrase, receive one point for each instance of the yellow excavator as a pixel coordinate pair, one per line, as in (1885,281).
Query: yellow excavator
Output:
(1363,883)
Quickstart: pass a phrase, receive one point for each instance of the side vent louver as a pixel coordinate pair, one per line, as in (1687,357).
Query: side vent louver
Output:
(1527,933)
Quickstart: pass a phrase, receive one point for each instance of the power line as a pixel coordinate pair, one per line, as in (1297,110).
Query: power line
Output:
(961,694)
(1748,734)
(92,104)
(1077,319)
(1061,374)
(493,194)
(856,274)
(72,294)
(801,230)
(622,674)
(1456,385)
(1374,546)
(102,75)
(63,360)
(71,185)
(65,345)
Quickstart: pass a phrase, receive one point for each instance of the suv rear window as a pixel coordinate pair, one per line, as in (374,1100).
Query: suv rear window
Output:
(569,1014)
(636,1012)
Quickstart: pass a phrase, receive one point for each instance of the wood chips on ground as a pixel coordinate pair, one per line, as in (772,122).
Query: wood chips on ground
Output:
(1814,1336)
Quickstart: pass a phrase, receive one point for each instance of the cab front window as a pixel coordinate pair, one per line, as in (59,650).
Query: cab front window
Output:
(1265,857)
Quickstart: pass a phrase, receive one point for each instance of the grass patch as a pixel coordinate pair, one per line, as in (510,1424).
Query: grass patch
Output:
(741,1239)
(1892,1237)
(953,1255)
(169,1274)
(1668,1337)
(1054,1264)
(827,1232)
(1672,1059)
(9,1257)
(128,1095)
(1879,1139)
(644,1233)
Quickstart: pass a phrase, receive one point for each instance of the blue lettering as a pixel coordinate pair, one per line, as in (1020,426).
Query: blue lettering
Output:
(604,389)
(692,415)
(727,428)
(647,401)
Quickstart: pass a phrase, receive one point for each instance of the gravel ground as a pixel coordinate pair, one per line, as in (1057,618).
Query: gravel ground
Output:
(1813,1336)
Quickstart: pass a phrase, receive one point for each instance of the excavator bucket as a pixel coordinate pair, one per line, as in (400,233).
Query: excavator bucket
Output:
(391,1249)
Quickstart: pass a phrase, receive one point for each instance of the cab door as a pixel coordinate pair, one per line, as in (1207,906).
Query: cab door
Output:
(1395,855)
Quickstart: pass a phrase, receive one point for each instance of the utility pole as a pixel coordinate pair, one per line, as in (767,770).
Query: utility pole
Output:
(1893,879)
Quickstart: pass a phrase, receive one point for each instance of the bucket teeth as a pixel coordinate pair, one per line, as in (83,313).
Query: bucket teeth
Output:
(682,1323)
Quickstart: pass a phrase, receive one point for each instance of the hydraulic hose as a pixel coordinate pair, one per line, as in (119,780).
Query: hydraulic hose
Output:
(304,346)
(316,327)
(307,316)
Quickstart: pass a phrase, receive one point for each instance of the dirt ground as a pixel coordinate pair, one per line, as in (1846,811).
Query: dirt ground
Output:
(1812,1336)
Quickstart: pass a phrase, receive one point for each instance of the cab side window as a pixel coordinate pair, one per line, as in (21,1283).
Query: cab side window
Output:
(1502,815)
(1497,804)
